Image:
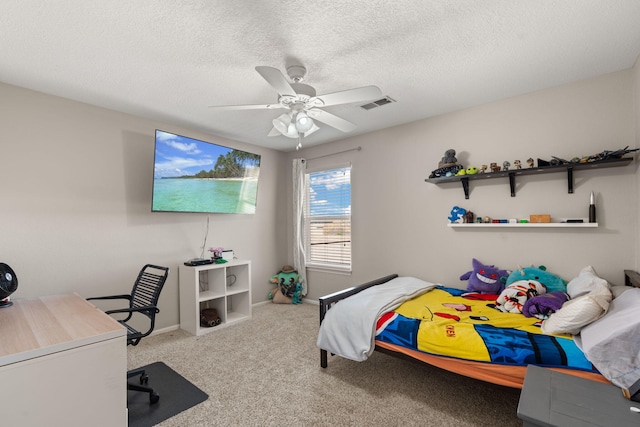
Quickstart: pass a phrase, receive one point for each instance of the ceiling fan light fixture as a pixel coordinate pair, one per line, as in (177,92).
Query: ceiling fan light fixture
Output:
(282,123)
(291,132)
(293,125)
(312,130)
(304,123)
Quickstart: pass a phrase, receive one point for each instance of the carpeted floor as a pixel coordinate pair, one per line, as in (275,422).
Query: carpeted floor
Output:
(266,371)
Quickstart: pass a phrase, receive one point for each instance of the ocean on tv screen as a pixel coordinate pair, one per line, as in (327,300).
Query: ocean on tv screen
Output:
(205,195)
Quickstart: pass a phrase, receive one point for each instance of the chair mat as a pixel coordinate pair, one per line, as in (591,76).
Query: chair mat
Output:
(176,395)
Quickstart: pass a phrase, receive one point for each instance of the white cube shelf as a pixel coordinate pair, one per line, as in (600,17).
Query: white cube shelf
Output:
(225,287)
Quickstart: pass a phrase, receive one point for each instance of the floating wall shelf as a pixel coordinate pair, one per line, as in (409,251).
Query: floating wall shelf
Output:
(512,173)
(527,225)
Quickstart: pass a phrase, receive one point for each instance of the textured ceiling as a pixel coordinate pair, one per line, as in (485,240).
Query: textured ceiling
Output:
(170,60)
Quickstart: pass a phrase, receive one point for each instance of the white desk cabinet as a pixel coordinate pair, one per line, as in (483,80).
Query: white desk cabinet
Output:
(225,287)
(63,362)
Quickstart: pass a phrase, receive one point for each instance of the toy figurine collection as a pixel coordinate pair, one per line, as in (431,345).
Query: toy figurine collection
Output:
(448,165)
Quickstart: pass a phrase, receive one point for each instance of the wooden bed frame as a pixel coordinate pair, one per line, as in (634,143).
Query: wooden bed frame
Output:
(469,368)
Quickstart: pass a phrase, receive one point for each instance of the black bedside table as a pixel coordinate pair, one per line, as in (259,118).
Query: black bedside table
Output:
(551,399)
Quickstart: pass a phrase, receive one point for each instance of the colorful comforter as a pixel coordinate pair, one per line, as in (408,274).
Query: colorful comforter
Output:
(450,322)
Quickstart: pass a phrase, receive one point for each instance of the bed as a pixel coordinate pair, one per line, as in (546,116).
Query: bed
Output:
(445,328)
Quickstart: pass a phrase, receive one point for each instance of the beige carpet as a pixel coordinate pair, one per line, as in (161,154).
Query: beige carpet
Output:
(266,372)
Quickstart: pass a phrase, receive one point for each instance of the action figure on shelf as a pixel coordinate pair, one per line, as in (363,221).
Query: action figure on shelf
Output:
(606,154)
(469,217)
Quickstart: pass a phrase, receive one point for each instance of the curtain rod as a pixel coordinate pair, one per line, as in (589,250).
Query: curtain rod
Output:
(339,152)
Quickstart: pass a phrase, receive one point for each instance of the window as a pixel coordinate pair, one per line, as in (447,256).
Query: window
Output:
(327,218)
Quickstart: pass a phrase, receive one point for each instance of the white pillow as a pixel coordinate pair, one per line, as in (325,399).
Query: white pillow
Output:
(577,313)
(586,282)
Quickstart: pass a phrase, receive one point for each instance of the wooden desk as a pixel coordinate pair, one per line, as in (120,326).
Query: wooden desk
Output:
(62,362)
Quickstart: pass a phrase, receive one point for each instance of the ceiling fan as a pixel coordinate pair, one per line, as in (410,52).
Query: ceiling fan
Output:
(303,104)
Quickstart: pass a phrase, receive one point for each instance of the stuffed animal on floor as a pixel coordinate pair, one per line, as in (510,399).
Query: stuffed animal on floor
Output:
(514,296)
(297,294)
(277,298)
(550,281)
(485,279)
(286,281)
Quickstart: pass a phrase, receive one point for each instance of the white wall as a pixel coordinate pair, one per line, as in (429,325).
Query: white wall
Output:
(399,220)
(76,203)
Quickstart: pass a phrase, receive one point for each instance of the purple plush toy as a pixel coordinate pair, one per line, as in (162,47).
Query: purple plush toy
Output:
(543,306)
(485,279)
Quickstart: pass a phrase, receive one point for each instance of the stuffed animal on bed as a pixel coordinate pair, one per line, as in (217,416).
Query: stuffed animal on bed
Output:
(514,296)
(550,281)
(543,306)
(485,279)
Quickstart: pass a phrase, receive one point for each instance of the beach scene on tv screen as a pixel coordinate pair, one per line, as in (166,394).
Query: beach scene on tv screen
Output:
(197,176)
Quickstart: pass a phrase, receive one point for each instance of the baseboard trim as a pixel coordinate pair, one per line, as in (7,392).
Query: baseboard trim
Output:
(261,303)
(163,330)
(304,300)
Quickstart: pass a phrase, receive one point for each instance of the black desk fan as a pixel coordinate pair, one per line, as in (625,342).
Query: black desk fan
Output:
(8,284)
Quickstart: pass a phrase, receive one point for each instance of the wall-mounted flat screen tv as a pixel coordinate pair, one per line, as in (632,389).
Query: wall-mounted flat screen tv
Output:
(197,176)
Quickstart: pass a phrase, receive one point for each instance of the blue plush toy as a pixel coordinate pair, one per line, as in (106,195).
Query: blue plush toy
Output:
(297,294)
(552,282)
(485,279)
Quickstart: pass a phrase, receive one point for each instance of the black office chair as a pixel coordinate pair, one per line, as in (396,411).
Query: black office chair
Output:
(143,300)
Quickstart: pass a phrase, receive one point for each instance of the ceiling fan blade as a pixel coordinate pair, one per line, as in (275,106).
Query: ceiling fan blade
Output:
(365,93)
(331,120)
(276,79)
(247,107)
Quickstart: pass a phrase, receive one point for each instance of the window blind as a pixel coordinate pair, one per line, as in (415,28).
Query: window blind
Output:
(328,218)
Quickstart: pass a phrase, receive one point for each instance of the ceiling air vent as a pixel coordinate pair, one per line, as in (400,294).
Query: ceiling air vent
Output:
(379,103)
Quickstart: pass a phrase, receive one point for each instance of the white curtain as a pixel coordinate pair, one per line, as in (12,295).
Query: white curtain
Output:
(299,255)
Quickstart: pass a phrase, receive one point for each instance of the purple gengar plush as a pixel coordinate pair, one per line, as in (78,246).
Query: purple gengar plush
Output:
(485,279)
